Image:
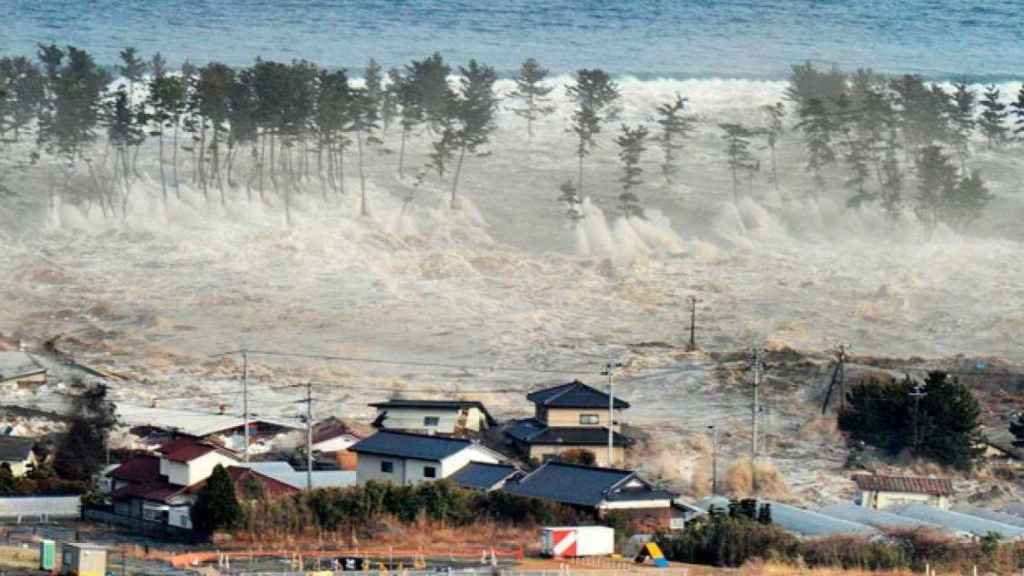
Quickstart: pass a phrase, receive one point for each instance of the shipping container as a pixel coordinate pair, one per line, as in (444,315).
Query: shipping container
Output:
(577,541)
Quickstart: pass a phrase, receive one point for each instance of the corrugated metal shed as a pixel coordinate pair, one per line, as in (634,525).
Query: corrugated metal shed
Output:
(876,518)
(992,515)
(956,520)
(809,523)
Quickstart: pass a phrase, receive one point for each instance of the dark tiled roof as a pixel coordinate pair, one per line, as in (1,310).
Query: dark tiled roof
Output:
(905,484)
(186,449)
(158,491)
(138,469)
(435,405)
(584,485)
(15,448)
(407,445)
(531,431)
(483,476)
(575,394)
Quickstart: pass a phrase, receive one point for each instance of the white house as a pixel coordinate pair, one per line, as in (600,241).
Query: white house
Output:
(876,491)
(406,458)
(432,416)
(16,452)
(185,461)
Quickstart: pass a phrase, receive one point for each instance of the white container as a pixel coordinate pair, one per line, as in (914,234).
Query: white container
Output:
(577,541)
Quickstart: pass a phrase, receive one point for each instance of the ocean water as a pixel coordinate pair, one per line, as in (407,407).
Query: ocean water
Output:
(643,38)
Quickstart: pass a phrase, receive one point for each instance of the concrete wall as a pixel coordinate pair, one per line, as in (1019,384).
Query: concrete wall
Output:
(879,500)
(541,452)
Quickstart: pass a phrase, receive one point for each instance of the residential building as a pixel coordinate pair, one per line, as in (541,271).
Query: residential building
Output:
(20,368)
(185,461)
(877,491)
(485,476)
(571,417)
(455,417)
(161,424)
(405,458)
(603,491)
(16,452)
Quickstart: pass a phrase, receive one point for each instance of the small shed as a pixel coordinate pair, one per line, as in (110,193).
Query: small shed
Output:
(878,491)
(81,559)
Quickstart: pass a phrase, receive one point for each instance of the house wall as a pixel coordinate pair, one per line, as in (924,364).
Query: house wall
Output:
(199,469)
(541,452)
(368,468)
(879,500)
(412,420)
(20,468)
(570,417)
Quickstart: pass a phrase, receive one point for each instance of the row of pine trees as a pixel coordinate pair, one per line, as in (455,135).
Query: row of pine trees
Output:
(268,127)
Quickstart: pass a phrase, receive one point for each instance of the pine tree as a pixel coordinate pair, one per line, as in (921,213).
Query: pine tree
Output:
(818,128)
(774,114)
(891,179)
(632,144)
(965,202)
(474,115)
(993,116)
(429,89)
(936,180)
(596,98)
(216,507)
(532,93)
(411,110)
(676,126)
(374,87)
(364,123)
(1017,107)
(857,156)
(213,103)
(167,99)
(390,100)
(570,195)
(737,138)
(122,133)
(133,67)
(962,120)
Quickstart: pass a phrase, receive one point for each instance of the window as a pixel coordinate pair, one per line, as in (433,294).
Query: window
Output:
(590,419)
(431,421)
(387,467)
(429,472)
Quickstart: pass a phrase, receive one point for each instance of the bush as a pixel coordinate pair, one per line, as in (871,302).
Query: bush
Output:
(722,540)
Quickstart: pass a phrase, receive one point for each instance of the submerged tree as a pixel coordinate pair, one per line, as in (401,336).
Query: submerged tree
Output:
(774,114)
(993,117)
(818,128)
(532,94)
(891,179)
(1017,107)
(936,178)
(570,195)
(167,101)
(632,143)
(473,117)
(596,98)
(737,149)
(962,120)
(676,126)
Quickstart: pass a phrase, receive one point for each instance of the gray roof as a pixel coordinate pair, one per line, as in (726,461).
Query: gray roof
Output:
(408,445)
(876,518)
(188,422)
(15,448)
(435,405)
(483,476)
(1003,517)
(956,521)
(16,364)
(584,485)
(575,394)
(808,523)
(284,473)
(531,431)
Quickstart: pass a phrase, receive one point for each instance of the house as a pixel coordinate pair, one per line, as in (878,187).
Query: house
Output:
(186,461)
(16,452)
(433,416)
(334,440)
(406,458)
(19,368)
(877,491)
(573,417)
(601,491)
(485,476)
(79,559)
(162,424)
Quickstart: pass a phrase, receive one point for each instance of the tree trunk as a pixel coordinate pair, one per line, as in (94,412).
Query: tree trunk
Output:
(163,177)
(364,208)
(455,177)
(401,151)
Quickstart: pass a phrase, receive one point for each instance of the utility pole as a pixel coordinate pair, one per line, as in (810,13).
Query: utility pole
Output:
(693,324)
(838,378)
(609,371)
(714,460)
(309,435)
(756,408)
(917,393)
(245,399)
